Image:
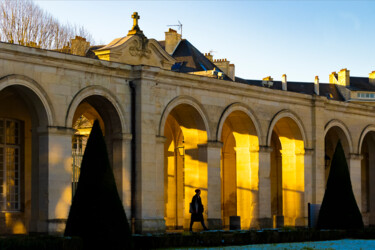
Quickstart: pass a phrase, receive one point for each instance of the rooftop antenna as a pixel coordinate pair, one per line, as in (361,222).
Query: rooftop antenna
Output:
(179,26)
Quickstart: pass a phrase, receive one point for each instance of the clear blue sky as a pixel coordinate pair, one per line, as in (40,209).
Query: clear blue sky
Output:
(299,38)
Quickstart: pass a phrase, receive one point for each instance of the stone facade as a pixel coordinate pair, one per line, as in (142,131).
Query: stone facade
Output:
(255,152)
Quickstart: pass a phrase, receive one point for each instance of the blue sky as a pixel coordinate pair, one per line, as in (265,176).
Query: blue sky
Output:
(299,38)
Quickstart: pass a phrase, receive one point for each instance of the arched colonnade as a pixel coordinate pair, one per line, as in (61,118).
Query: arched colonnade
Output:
(259,173)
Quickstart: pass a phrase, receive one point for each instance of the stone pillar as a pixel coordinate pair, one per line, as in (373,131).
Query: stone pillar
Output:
(309,154)
(159,158)
(318,139)
(122,170)
(54,178)
(149,181)
(265,217)
(213,150)
(355,177)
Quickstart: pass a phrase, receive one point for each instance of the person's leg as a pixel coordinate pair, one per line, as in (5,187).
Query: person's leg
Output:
(191,225)
(204,226)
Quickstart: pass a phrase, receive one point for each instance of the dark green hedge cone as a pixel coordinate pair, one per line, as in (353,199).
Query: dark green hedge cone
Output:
(339,208)
(97,214)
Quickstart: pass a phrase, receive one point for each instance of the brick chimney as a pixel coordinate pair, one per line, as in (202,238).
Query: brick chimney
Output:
(284,83)
(371,77)
(172,38)
(344,77)
(316,85)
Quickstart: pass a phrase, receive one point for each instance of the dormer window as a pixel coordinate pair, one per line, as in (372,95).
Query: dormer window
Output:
(366,95)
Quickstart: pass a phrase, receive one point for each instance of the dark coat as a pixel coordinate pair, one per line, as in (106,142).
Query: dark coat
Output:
(197,215)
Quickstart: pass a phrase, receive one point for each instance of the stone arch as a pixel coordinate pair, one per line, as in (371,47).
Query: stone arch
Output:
(89,104)
(366,150)
(25,103)
(239,165)
(189,101)
(366,130)
(33,89)
(185,159)
(287,138)
(238,107)
(343,127)
(102,92)
(287,114)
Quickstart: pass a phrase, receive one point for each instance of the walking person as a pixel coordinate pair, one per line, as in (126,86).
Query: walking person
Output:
(196,210)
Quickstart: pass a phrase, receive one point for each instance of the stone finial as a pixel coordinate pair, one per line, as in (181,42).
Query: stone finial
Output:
(284,83)
(135,29)
(316,85)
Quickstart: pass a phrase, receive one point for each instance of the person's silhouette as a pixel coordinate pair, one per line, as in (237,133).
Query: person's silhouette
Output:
(196,210)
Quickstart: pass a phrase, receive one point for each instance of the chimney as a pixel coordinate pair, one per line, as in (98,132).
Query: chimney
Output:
(209,56)
(231,72)
(316,85)
(333,78)
(79,46)
(371,77)
(344,77)
(172,38)
(268,79)
(283,82)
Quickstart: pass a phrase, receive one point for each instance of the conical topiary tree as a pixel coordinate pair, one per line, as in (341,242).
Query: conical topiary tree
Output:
(339,208)
(97,214)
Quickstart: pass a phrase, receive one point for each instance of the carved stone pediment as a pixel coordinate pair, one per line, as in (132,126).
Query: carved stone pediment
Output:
(136,49)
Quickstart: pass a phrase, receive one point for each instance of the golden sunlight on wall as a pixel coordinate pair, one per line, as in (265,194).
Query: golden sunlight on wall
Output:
(185,164)
(239,169)
(287,174)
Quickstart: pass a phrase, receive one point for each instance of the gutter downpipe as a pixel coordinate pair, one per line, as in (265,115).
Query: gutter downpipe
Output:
(132,157)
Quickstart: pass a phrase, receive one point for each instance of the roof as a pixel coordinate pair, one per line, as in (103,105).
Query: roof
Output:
(328,90)
(190,59)
(115,43)
(360,84)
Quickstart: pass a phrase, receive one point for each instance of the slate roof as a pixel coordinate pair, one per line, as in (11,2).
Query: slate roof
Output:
(360,84)
(328,90)
(190,59)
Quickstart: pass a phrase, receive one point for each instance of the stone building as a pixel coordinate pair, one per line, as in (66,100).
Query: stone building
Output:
(175,120)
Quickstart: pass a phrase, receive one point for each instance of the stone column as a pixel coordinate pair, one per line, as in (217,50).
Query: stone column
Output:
(122,169)
(149,197)
(355,177)
(159,158)
(318,139)
(213,150)
(308,194)
(54,178)
(265,218)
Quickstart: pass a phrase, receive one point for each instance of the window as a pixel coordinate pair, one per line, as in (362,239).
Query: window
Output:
(366,95)
(9,165)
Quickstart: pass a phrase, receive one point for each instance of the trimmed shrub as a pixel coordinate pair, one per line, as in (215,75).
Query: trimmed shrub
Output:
(339,209)
(97,214)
